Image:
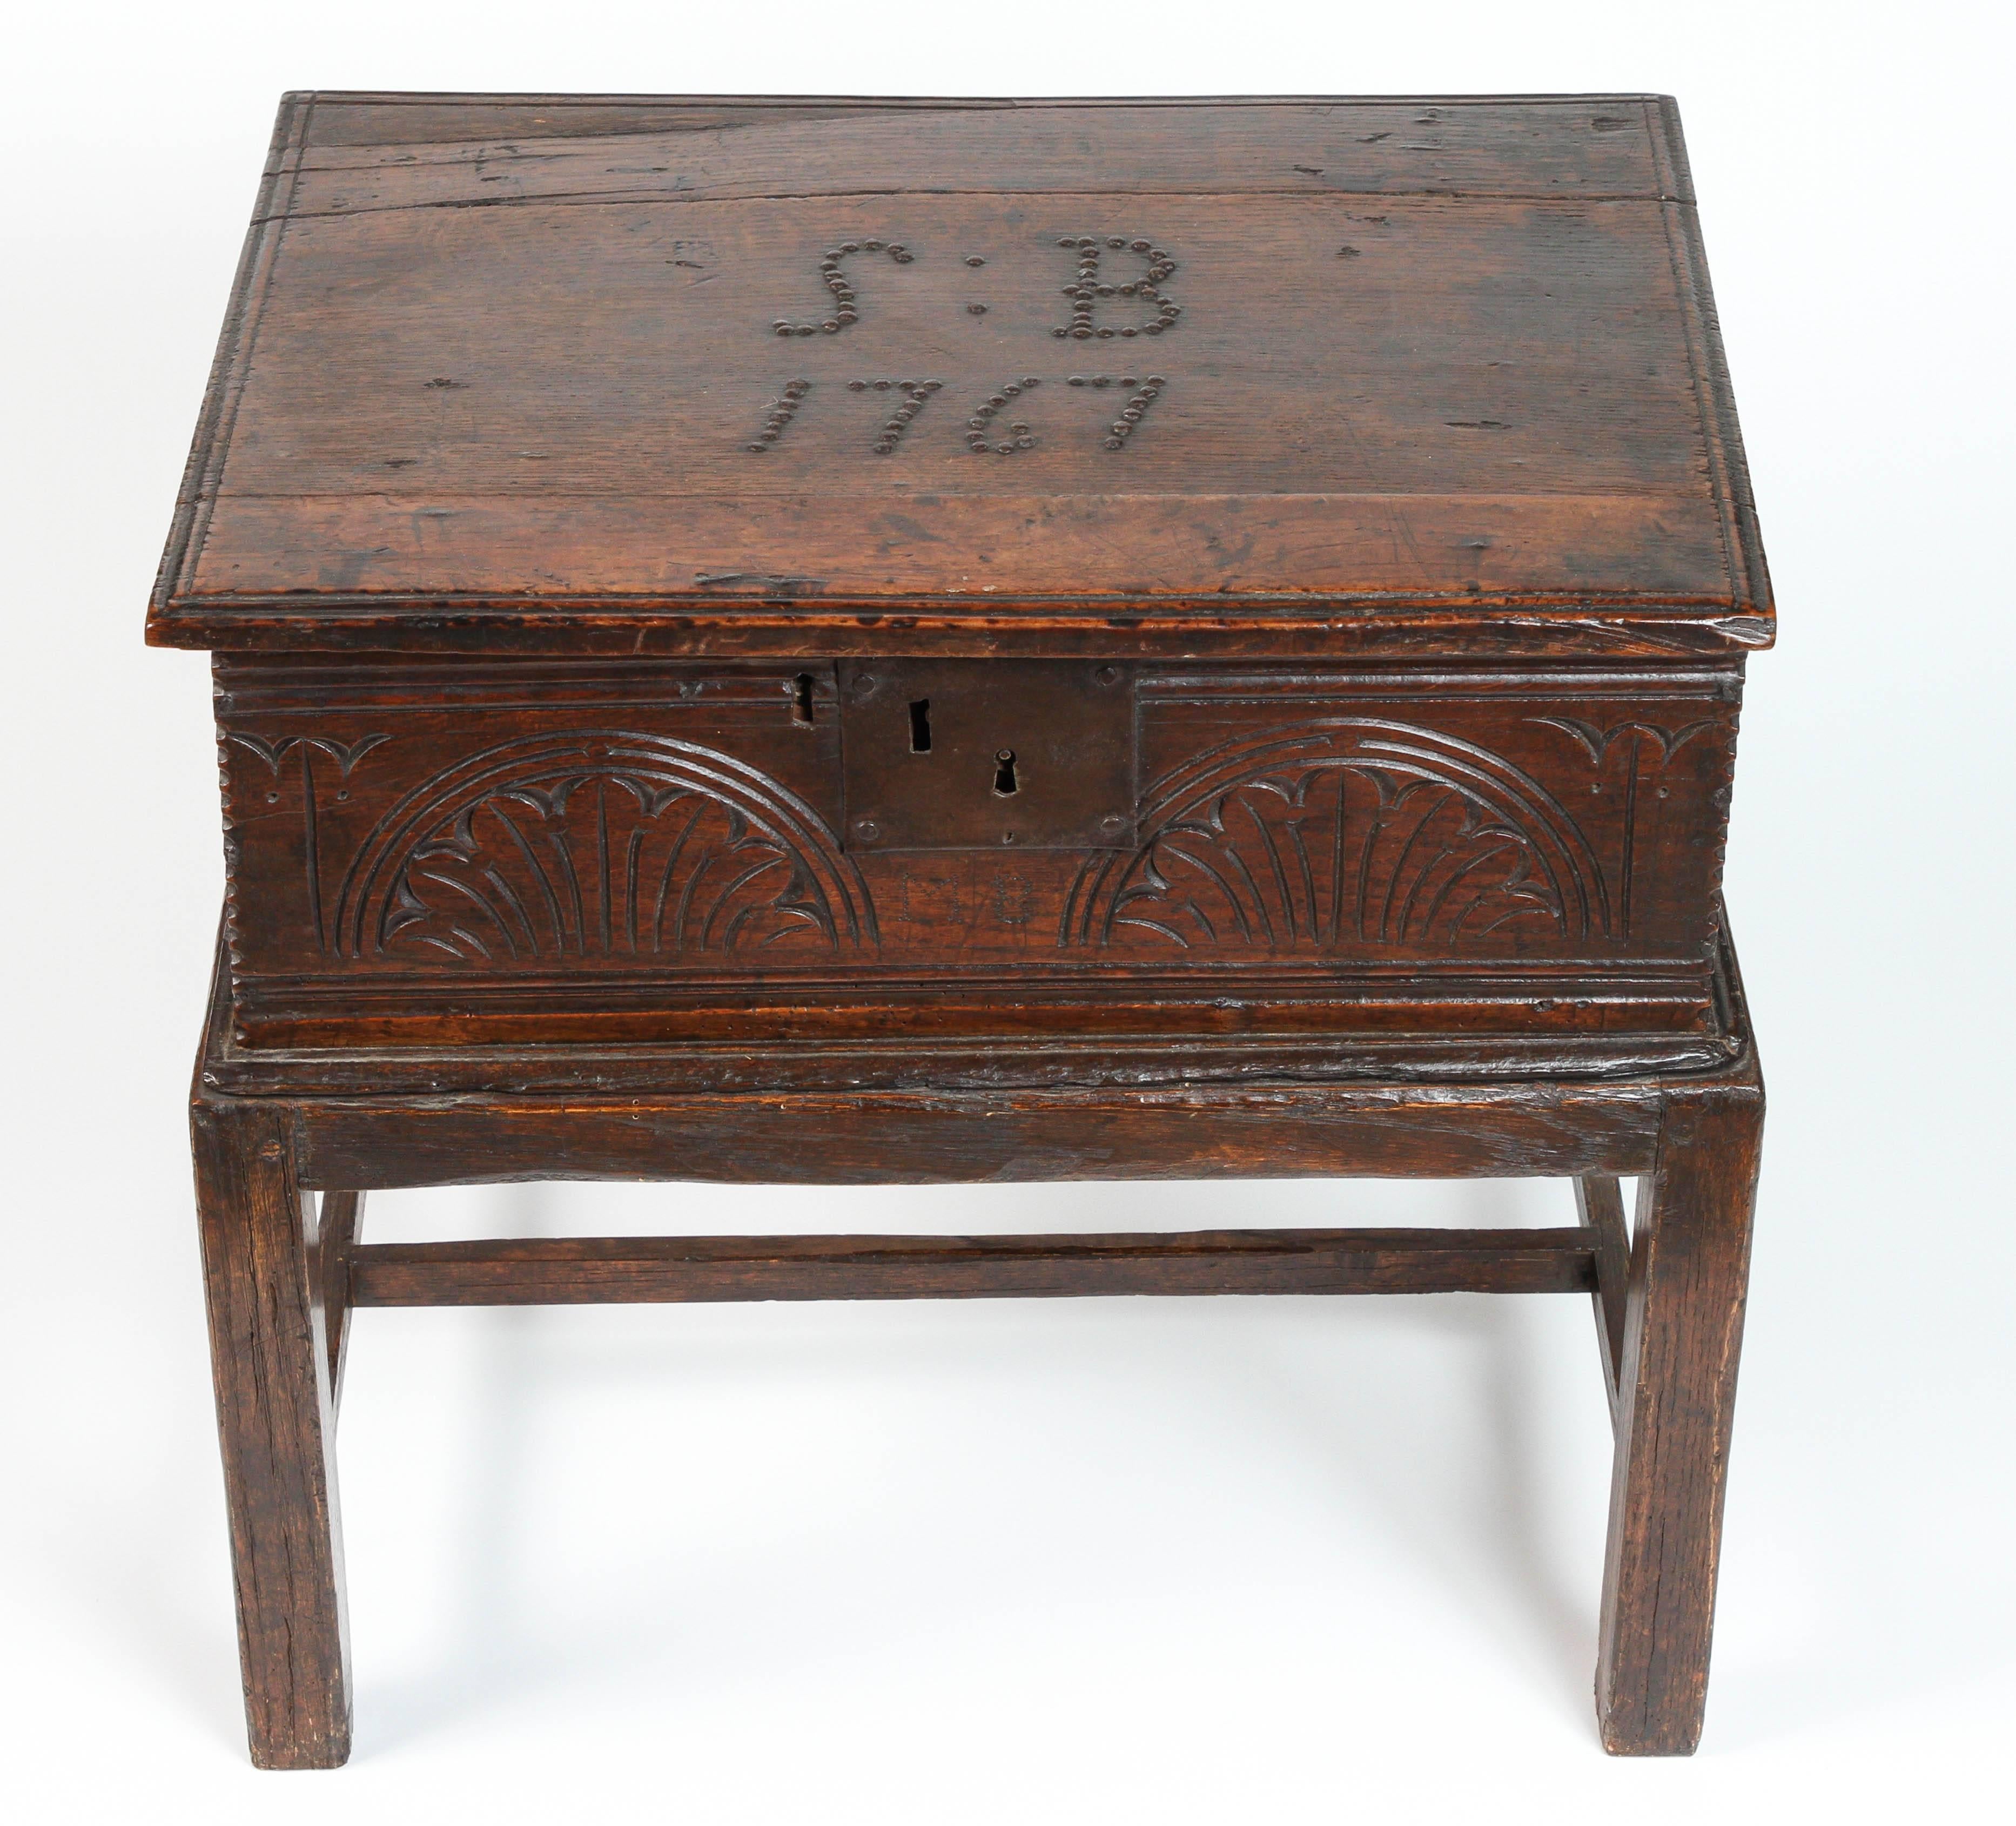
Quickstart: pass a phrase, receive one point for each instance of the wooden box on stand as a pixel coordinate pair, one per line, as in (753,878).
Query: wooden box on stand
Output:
(724,597)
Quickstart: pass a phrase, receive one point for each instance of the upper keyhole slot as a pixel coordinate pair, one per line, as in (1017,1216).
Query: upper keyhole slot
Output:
(801,698)
(920,726)
(1004,772)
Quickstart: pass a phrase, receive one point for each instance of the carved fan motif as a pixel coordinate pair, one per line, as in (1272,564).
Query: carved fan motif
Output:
(600,844)
(1353,834)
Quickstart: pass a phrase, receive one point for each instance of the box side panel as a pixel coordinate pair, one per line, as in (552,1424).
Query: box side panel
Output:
(454,851)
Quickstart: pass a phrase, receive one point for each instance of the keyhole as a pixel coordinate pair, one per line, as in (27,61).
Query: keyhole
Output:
(801,698)
(920,726)
(1004,772)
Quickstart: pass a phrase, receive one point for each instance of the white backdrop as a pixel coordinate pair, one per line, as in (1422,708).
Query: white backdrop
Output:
(1098,1561)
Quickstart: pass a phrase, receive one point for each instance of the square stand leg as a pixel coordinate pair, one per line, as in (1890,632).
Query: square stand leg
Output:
(270,1356)
(1676,1394)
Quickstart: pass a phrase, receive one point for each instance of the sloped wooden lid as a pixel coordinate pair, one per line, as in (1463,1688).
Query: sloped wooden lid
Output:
(609,374)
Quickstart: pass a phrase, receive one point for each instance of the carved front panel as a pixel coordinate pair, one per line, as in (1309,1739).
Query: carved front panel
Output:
(629,837)
(1430,817)
(548,823)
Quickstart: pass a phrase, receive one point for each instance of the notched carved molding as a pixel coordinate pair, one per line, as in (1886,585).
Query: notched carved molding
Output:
(1597,741)
(274,750)
(1648,749)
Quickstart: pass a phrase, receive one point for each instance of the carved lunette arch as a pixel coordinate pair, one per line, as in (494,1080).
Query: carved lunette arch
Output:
(599,842)
(1350,832)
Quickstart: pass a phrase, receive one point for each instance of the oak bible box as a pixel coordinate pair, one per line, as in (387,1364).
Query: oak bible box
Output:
(854,640)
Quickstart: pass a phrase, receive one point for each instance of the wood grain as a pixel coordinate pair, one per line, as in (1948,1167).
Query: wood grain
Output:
(580,1271)
(887,1138)
(499,152)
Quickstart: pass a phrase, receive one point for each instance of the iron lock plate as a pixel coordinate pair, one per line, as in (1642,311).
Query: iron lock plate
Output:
(970,754)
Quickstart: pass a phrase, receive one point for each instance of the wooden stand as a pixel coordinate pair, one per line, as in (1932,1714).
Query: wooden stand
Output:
(282,1276)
